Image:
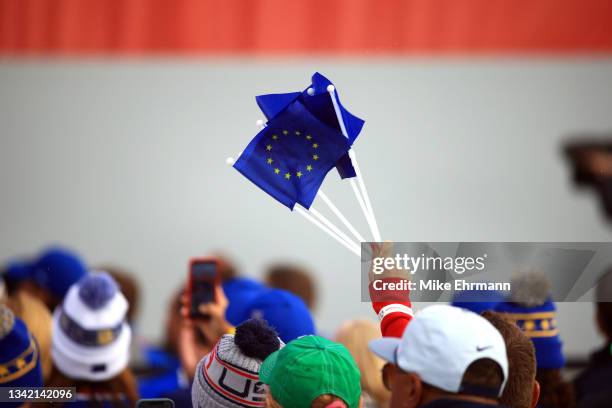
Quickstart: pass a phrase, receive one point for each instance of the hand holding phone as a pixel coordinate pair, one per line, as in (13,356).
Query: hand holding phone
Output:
(203,307)
(204,301)
(203,281)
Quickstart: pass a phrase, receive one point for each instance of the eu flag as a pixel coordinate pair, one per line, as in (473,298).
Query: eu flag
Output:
(290,158)
(320,105)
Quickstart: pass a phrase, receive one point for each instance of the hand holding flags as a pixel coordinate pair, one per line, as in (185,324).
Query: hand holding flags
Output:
(307,134)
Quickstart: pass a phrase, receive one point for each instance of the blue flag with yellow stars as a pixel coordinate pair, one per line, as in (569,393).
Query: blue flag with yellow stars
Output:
(290,158)
(319,104)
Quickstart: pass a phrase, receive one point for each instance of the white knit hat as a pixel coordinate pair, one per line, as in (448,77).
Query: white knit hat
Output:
(91,339)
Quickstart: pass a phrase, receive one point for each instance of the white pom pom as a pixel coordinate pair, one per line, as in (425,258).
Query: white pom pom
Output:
(259,123)
(310,91)
(229,161)
(331,88)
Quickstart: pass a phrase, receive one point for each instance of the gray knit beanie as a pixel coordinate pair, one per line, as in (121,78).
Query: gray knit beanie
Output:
(228,376)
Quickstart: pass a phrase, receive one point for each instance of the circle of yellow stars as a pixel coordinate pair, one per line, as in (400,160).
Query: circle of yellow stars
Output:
(288,174)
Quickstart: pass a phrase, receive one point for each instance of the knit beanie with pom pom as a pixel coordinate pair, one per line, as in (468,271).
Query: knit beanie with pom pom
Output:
(531,307)
(19,355)
(91,338)
(228,376)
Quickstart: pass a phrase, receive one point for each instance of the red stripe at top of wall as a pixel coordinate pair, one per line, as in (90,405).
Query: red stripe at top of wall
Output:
(201,27)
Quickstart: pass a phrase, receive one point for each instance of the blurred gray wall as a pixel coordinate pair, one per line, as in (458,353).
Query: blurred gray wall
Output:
(125,161)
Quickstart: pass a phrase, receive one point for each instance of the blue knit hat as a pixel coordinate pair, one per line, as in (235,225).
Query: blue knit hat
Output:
(477,301)
(19,355)
(531,307)
(284,311)
(57,269)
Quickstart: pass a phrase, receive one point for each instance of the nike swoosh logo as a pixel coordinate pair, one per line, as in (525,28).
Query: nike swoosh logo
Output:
(479,349)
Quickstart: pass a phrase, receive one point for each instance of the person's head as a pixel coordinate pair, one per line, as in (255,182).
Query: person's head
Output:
(14,275)
(311,372)
(37,318)
(355,336)
(19,354)
(284,311)
(174,320)
(49,276)
(522,389)
(228,375)
(91,338)
(532,309)
(227,269)
(294,279)
(445,352)
(128,285)
(603,295)
(555,392)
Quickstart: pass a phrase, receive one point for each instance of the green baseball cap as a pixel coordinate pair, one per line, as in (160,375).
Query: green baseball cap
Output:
(308,367)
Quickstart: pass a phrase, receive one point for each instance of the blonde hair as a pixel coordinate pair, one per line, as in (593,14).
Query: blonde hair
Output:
(355,335)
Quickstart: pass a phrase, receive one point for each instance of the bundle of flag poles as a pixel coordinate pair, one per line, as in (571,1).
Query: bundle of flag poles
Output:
(306,135)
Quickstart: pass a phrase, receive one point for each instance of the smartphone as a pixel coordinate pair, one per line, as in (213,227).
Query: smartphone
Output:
(155,403)
(203,279)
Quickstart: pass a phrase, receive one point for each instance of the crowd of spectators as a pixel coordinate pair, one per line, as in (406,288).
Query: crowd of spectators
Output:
(66,324)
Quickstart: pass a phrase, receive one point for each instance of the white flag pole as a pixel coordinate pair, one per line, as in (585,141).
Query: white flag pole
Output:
(364,202)
(363,207)
(313,220)
(366,197)
(332,227)
(340,216)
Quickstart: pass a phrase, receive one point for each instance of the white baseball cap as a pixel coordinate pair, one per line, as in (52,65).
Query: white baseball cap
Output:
(439,345)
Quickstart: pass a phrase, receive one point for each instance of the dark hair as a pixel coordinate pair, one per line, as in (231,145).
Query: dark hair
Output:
(294,279)
(227,269)
(604,316)
(518,391)
(555,392)
(122,388)
(482,374)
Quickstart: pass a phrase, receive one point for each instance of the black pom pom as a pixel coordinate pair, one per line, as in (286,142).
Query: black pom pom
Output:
(256,339)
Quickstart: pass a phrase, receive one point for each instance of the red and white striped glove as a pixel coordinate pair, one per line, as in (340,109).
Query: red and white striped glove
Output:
(393,308)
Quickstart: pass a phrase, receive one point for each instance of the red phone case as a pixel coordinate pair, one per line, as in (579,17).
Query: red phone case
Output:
(216,280)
